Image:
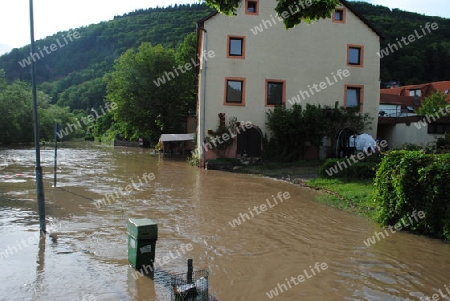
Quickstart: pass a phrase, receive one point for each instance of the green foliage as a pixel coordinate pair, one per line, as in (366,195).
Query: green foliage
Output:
(16,109)
(292,128)
(145,108)
(410,181)
(316,10)
(194,159)
(93,54)
(319,9)
(355,171)
(435,104)
(226,7)
(409,147)
(355,194)
(85,96)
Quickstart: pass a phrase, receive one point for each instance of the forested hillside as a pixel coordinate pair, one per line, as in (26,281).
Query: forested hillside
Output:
(80,75)
(425,60)
(88,58)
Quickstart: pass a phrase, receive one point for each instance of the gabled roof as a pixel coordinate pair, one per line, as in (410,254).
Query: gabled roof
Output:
(427,89)
(201,22)
(392,91)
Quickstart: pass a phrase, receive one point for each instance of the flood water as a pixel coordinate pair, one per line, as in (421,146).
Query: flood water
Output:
(88,261)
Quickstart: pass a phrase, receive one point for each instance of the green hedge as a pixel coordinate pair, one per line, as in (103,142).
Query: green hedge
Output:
(408,181)
(353,171)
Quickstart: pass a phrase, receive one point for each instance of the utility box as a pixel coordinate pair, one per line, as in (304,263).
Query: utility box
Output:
(142,236)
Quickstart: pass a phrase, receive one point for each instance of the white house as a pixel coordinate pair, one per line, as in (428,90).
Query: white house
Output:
(258,64)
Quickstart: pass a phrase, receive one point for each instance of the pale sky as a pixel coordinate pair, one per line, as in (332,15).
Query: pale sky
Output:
(52,16)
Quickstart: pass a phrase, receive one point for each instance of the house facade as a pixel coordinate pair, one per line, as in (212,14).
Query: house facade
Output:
(257,64)
(398,123)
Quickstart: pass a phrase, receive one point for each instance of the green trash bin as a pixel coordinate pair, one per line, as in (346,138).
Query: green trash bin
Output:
(142,236)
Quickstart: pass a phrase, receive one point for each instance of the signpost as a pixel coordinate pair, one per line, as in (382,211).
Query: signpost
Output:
(39,182)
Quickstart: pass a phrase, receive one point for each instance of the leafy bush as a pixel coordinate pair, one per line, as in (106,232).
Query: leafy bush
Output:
(409,147)
(347,169)
(194,160)
(293,129)
(412,180)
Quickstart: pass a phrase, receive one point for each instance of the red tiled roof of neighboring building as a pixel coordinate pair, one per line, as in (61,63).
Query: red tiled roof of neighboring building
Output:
(427,89)
(393,91)
(444,87)
(396,99)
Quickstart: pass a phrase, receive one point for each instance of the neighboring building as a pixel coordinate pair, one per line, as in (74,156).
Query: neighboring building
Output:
(421,91)
(399,124)
(258,64)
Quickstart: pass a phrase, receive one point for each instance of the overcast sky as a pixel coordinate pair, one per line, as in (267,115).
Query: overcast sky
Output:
(51,16)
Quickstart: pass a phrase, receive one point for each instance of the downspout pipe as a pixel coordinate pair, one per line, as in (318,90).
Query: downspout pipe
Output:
(203,97)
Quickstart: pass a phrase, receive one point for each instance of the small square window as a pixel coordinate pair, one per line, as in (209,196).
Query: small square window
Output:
(252,7)
(234,93)
(236,47)
(339,15)
(275,93)
(355,55)
(353,97)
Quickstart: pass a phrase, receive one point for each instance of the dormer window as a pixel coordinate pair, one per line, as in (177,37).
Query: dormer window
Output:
(416,92)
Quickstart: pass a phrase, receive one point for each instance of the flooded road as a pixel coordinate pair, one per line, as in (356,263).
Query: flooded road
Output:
(278,251)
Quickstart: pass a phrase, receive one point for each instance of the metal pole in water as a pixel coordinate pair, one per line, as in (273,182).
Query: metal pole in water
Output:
(190,271)
(39,183)
(55,166)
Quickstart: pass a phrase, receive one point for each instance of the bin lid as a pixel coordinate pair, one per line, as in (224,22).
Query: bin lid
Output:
(142,228)
(139,222)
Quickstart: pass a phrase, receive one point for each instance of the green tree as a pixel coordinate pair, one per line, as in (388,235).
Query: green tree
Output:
(433,104)
(304,10)
(145,86)
(16,110)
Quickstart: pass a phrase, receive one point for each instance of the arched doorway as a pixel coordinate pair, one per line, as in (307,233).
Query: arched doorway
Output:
(344,145)
(249,143)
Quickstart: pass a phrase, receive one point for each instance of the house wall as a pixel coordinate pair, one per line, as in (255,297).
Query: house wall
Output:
(402,133)
(302,56)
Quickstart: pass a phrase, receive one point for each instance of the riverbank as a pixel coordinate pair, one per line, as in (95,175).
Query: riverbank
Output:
(354,196)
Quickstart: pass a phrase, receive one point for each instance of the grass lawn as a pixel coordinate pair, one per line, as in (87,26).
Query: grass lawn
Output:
(284,170)
(357,195)
(354,196)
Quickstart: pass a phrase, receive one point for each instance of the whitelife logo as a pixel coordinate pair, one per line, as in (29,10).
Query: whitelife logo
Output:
(302,95)
(48,50)
(399,226)
(168,76)
(391,48)
(280,288)
(293,9)
(281,196)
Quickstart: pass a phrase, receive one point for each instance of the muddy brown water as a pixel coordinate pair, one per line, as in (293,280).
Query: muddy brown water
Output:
(193,208)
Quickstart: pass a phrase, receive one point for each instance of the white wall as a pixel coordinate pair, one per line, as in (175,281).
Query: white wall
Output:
(304,55)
